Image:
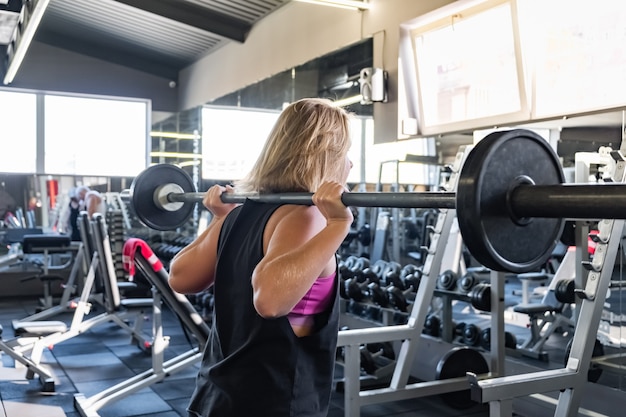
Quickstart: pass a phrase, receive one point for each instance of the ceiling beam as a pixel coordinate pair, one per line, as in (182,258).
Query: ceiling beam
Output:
(197,16)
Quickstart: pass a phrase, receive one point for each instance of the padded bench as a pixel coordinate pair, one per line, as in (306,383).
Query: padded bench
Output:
(33,329)
(50,243)
(38,328)
(535,277)
(47,244)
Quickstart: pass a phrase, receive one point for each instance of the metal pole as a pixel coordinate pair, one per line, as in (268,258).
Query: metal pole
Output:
(585,201)
(399,200)
(588,201)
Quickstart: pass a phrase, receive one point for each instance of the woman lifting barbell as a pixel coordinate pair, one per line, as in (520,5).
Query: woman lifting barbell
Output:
(274,272)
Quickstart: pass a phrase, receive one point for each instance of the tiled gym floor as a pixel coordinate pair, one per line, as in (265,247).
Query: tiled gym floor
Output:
(103,356)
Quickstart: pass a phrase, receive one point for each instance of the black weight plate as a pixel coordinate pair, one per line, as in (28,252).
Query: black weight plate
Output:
(492,234)
(595,371)
(456,363)
(142,197)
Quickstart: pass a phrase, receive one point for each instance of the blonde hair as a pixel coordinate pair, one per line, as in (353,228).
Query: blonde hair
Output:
(307,146)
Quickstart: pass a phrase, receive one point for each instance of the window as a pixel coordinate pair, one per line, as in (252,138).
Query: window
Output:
(232,140)
(95,136)
(18,132)
(468,67)
(578,54)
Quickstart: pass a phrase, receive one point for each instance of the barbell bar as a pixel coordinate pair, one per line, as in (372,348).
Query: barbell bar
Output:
(361,199)
(608,199)
(511,202)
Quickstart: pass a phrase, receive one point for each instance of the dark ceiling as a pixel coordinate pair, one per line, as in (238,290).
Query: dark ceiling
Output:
(159,37)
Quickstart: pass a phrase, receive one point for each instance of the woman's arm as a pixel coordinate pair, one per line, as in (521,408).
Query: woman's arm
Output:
(193,268)
(301,248)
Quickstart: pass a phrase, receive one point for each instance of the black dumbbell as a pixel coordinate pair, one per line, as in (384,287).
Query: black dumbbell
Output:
(510,341)
(412,281)
(399,297)
(364,235)
(396,276)
(353,266)
(480,296)
(385,348)
(432,325)
(564,291)
(355,287)
(349,261)
(378,267)
(366,287)
(471,334)
(447,280)
(409,269)
(361,264)
(371,351)
(390,275)
(467,282)
(345,274)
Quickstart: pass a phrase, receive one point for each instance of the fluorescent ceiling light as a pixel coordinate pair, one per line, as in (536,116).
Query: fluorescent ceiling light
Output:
(348,101)
(344,4)
(174,135)
(175,155)
(188,163)
(31,15)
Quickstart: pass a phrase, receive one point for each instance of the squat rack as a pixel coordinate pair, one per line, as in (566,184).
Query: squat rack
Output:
(492,388)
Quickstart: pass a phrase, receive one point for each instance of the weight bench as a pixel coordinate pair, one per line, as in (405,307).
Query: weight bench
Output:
(528,278)
(45,377)
(550,314)
(139,255)
(117,310)
(47,245)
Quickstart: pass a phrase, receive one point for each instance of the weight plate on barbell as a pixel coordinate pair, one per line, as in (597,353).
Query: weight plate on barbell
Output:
(486,215)
(142,197)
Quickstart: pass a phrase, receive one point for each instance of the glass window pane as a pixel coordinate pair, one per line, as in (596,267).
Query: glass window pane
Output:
(232,140)
(18,132)
(94,136)
(467,67)
(578,51)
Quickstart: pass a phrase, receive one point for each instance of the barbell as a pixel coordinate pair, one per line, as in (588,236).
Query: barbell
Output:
(511,203)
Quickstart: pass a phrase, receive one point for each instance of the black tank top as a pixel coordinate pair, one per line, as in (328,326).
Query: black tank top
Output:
(254,366)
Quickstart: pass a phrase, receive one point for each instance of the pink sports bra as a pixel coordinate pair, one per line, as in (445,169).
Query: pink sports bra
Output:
(316,300)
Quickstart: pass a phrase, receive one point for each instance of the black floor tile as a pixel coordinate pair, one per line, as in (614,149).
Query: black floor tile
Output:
(144,403)
(175,388)
(103,356)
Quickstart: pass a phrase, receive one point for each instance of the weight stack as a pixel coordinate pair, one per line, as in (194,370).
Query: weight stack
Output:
(115,225)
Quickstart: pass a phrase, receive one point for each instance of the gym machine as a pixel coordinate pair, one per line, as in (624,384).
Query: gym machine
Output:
(35,336)
(139,256)
(510,184)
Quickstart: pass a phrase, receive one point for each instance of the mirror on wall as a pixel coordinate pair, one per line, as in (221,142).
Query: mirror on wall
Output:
(334,76)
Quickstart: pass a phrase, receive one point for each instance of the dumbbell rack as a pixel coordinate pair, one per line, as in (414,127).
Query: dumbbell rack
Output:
(410,335)
(450,296)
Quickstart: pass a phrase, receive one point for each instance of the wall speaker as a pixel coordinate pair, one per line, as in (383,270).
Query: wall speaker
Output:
(373,85)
